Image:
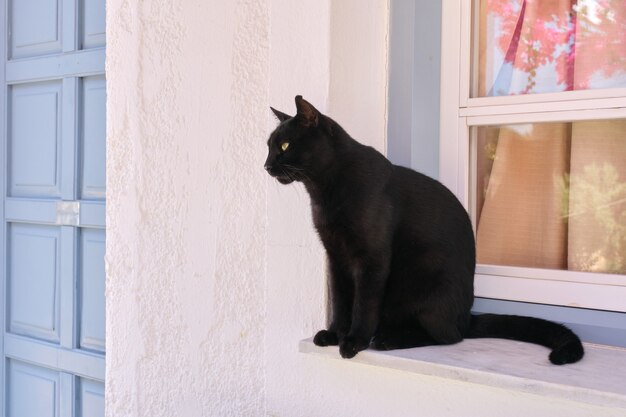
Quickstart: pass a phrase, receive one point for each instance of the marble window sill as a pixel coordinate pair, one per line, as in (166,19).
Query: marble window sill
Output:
(598,379)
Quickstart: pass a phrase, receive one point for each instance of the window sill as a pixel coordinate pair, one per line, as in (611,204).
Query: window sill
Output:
(598,379)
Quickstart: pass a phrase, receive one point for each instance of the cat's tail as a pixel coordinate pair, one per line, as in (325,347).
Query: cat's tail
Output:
(566,346)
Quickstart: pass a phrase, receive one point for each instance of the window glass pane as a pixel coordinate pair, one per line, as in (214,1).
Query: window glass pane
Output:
(540,46)
(551,195)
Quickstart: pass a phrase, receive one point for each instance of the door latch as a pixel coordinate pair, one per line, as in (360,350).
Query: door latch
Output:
(68,213)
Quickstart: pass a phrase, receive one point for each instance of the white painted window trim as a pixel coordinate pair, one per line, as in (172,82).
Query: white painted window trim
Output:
(459,113)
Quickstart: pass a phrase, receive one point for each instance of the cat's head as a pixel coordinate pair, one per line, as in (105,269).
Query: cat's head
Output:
(300,147)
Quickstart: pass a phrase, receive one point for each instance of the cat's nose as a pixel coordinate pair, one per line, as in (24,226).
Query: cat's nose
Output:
(269,164)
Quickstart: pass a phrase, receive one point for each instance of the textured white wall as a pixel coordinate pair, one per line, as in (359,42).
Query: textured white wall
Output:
(299,64)
(358,69)
(214,272)
(186,214)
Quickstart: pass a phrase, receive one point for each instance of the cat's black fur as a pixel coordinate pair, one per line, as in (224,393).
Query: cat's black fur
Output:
(400,247)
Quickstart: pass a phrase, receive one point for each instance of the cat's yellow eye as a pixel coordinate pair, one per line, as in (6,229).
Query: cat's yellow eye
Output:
(284,146)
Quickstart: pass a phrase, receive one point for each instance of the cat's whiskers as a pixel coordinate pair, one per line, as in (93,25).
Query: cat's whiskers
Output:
(295,171)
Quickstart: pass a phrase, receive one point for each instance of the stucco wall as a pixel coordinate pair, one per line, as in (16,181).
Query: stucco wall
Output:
(214,272)
(186,214)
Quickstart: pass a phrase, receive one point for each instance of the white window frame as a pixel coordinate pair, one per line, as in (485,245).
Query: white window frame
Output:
(460,112)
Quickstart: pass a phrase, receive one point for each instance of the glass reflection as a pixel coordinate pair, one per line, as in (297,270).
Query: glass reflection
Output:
(552,195)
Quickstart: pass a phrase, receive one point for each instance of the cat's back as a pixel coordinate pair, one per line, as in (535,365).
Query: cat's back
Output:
(372,180)
(426,207)
(422,190)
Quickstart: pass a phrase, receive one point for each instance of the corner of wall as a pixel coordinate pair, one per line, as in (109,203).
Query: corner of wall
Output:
(359,57)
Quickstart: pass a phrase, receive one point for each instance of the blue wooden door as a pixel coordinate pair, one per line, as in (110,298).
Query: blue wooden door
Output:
(53,179)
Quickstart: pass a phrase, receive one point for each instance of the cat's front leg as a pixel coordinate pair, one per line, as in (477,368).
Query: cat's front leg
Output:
(368,295)
(335,333)
(341,291)
(326,338)
(351,345)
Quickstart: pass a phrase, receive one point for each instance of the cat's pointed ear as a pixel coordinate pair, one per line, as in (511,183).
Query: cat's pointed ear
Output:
(280,115)
(308,115)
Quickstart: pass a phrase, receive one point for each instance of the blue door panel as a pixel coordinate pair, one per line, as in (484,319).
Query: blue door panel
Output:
(35,26)
(92,214)
(90,398)
(92,278)
(55,66)
(30,210)
(77,362)
(53,179)
(94,23)
(34,139)
(33,281)
(33,391)
(93,179)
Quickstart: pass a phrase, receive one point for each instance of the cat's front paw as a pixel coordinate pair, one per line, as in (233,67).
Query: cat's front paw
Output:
(326,338)
(351,345)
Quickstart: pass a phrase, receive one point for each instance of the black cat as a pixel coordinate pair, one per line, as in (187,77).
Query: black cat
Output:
(400,247)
